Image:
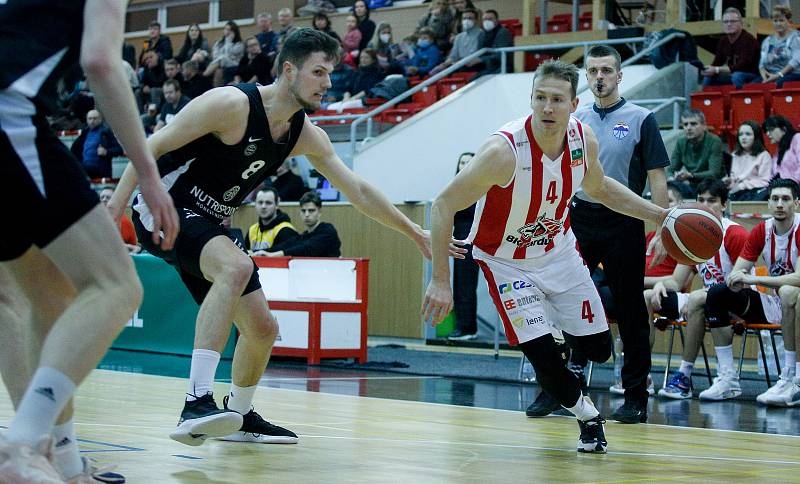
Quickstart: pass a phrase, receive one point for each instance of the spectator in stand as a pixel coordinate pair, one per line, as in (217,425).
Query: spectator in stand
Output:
(267,38)
(126,229)
(341,81)
(786,163)
(255,66)
(495,36)
(320,238)
(751,167)
(440,20)
(96,146)
(156,42)
(780,52)
(149,119)
(465,43)
(153,78)
(351,41)
(172,69)
(129,53)
(365,25)
(195,47)
(133,77)
(273,226)
(368,74)
(697,155)
(390,55)
(289,185)
(322,23)
(426,55)
(174,102)
(465,272)
(736,57)
(459,6)
(286,21)
(194,82)
(225,56)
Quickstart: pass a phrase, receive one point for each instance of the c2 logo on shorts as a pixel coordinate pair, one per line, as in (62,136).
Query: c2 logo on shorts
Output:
(515,286)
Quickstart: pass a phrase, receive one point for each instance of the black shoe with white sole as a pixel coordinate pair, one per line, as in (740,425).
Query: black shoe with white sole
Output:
(593,436)
(256,429)
(202,419)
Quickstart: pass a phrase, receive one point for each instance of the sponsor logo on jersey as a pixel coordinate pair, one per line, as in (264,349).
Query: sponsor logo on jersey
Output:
(210,205)
(509,304)
(527,300)
(228,195)
(513,286)
(250,149)
(522,321)
(521,143)
(620,130)
(576,156)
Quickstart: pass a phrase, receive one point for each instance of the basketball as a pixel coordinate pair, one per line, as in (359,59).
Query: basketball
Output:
(691,233)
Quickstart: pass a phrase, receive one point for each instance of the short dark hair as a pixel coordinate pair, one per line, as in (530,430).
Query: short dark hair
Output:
(715,187)
(154,23)
(605,51)
(559,70)
(172,82)
(493,12)
(427,31)
(311,197)
(172,62)
(270,190)
(785,183)
(471,10)
(776,121)
(305,41)
(758,140)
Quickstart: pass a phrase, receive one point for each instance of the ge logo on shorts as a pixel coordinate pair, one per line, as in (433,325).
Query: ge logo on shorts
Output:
(228,195)
(253,168)
(621,130)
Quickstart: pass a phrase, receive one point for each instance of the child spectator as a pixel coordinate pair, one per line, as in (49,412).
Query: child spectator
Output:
(786,163)
(367,75)
(390,55)
(351,41)
(751,168)
(426,55)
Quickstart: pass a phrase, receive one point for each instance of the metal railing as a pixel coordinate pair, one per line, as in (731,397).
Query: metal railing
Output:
(368,117)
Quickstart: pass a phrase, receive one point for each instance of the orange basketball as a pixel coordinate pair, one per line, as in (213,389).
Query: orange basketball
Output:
(691,233)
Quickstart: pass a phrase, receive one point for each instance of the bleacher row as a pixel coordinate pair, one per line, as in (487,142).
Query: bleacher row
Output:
(726,108)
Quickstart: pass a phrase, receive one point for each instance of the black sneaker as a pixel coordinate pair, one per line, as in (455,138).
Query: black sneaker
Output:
(202,419)
(543,406)
(256,429)
(458,335)
(593,436)
(630,413)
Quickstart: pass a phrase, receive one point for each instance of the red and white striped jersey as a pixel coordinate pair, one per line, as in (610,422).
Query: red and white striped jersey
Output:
(529,216)
(715,270)
(779,251)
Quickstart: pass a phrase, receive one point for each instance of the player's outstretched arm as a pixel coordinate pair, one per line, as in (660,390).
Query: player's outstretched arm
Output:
(492,165)
(100,59)
(612,193)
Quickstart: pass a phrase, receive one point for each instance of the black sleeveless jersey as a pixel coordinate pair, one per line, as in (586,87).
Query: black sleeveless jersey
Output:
(211,178)
(39,44)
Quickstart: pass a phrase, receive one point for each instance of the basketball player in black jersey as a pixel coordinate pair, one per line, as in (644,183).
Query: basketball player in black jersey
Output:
(60,249)
(220,147)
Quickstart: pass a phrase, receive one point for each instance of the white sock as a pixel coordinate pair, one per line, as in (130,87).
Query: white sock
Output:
(686,368)
(201,376)
(584,409)
(240,399)
(66,457)
(790,360)
(44,399)
(724,359)
(797,369)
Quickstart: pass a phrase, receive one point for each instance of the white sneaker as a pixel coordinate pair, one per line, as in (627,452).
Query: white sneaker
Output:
(777,395)
(725,386)
(793,397)
(21,464)
(617,388)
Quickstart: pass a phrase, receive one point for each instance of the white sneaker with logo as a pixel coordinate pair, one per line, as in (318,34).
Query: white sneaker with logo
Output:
(725,386)
(778,394)
(617,388)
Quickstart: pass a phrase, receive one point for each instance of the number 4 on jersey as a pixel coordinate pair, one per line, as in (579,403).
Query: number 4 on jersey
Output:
(552,196)
(586,311)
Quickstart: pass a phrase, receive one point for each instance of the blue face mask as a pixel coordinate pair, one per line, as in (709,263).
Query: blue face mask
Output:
(422,43)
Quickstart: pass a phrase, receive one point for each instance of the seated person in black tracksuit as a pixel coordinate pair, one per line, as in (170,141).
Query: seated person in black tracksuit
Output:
(320,238)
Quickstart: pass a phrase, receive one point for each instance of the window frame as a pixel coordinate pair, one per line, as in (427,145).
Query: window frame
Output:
(213,21)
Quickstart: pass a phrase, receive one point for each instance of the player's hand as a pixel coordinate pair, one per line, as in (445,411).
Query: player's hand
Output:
(165,218)
(659,292)
(456,247)
(656,247)
(736,280)
(438,302)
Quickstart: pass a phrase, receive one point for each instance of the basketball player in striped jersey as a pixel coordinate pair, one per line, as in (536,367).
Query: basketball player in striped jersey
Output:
(523,178)
(60,248)
(776,240)
(666,298)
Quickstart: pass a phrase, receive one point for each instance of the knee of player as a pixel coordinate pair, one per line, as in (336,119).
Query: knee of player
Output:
(267,328)
(788,294)
(697,300)
(237,272)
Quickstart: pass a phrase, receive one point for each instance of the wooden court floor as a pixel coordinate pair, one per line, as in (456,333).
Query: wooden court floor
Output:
(124,419)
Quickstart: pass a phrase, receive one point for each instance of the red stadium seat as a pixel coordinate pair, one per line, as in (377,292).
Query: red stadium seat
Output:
(450,85)
(427,96)
(585,21)
(786,103)
(712,104)
(533,59)
(747,106)
(513,25)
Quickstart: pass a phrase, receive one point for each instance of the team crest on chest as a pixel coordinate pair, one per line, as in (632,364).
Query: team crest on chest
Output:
(540,232)
(250,149)
(228,195)
(620,130)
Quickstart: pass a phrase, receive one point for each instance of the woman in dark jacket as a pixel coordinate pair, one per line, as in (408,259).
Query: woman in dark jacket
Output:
(365,25)
(465,273)
(195,47)
(368,74)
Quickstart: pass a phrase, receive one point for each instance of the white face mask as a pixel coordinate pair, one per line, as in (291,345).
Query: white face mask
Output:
(488,25)
(467,24)
(385,38)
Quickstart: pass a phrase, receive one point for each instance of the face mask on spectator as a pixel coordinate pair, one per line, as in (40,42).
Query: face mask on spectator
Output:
(385,38)
(488,25)
(423,43)
(467,24)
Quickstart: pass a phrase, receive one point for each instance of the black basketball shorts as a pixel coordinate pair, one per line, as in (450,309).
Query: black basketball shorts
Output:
(43,188)
(195,233)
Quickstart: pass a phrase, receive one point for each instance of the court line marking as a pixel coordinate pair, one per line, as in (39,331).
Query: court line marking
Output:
(182,456)
(267,379)
(555,449)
